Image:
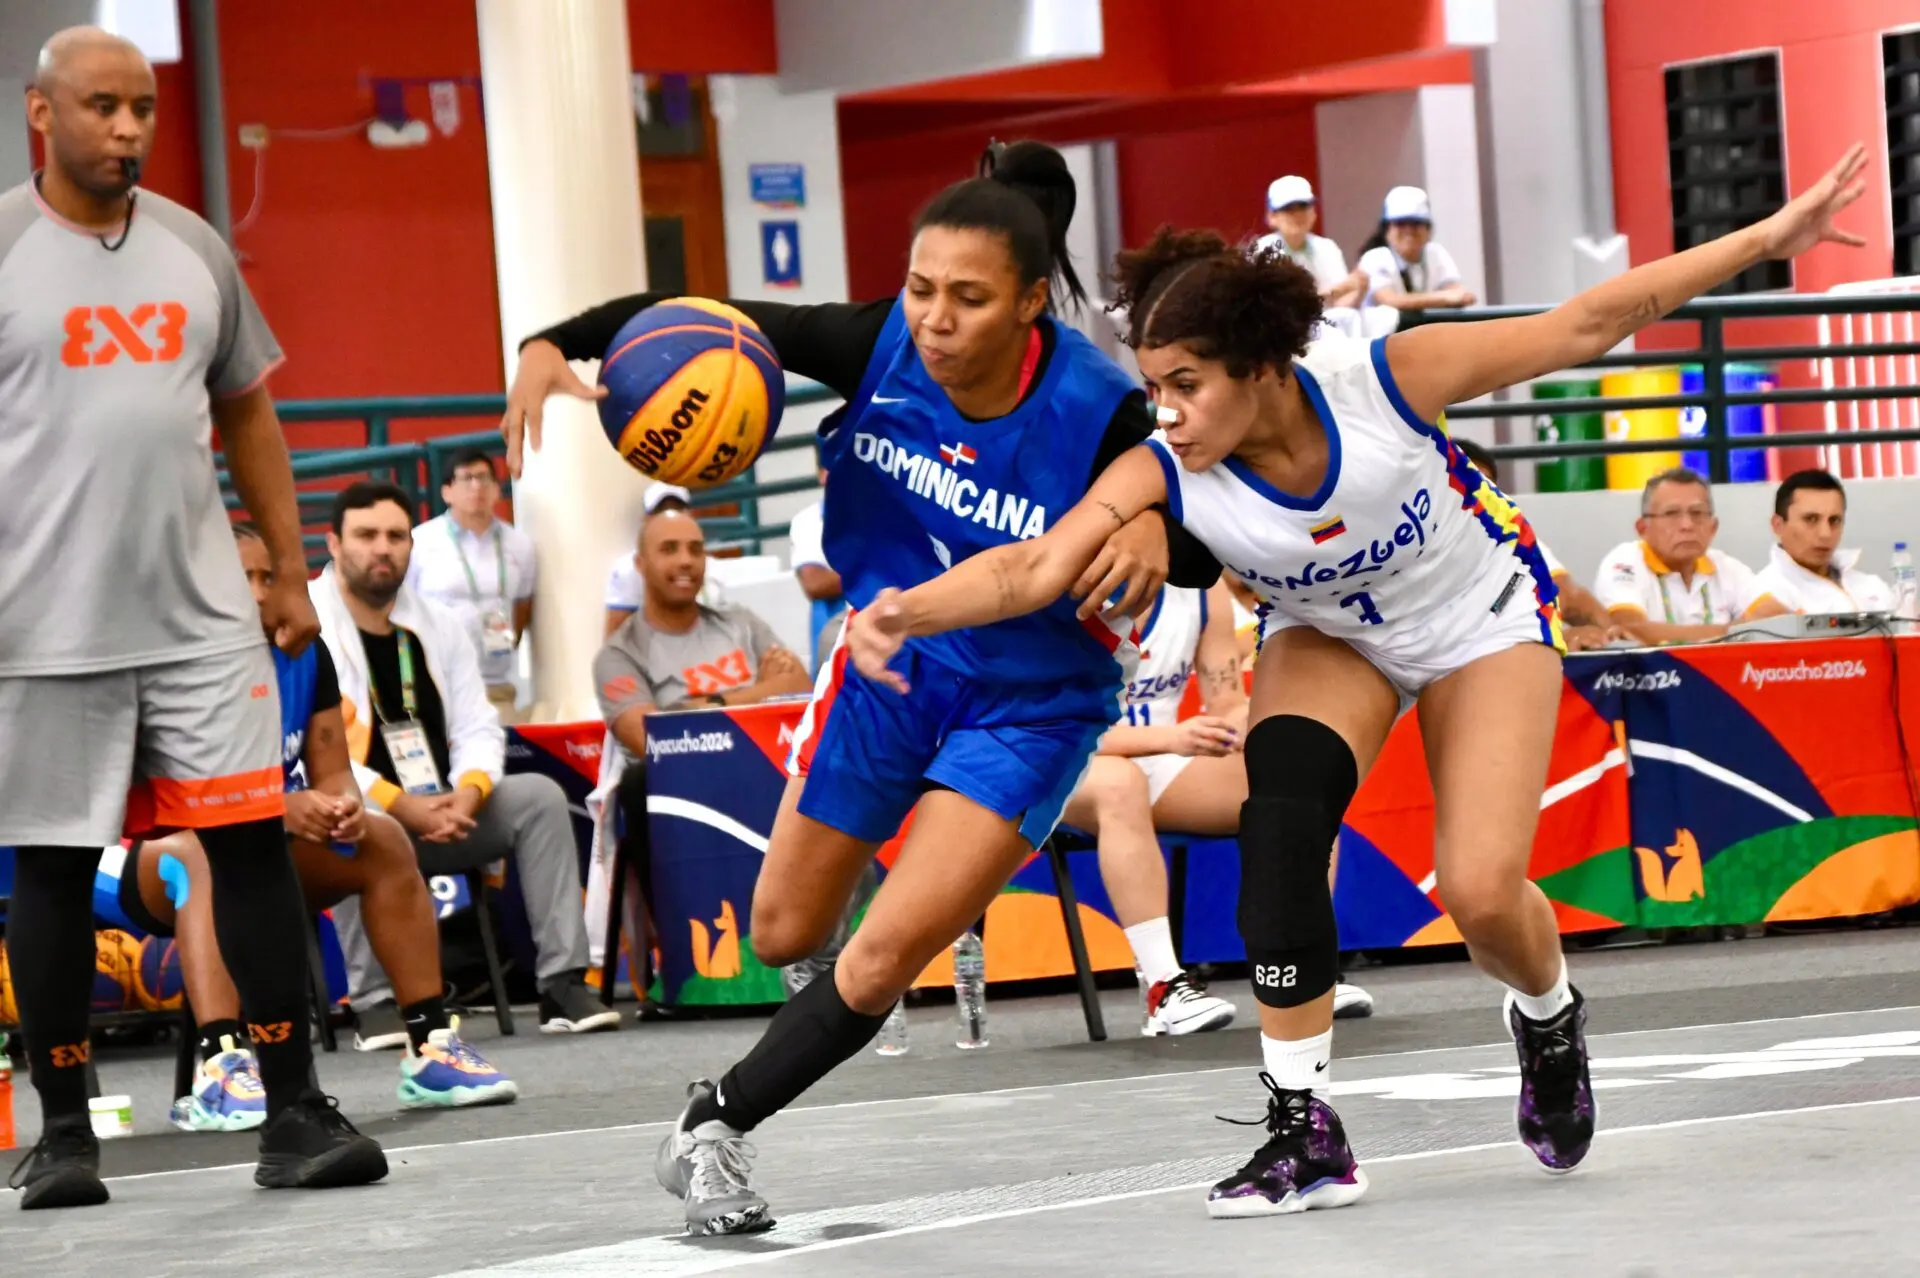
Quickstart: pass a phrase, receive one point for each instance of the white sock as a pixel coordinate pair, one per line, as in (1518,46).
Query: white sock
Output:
(1152,944)
(1300,1065)
(1544,1007)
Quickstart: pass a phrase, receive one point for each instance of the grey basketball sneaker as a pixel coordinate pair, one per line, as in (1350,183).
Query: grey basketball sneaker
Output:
(712,1173)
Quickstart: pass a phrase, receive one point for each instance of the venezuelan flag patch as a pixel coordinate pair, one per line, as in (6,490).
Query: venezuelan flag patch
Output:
(1327,531)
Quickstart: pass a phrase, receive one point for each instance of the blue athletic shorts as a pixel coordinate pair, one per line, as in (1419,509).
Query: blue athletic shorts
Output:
(869,753)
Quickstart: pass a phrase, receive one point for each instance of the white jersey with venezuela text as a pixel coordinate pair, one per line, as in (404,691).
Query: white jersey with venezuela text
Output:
(1169,640)
(114,546)
(1402,534)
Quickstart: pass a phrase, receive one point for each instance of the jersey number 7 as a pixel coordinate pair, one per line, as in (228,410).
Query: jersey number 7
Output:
(1363,601)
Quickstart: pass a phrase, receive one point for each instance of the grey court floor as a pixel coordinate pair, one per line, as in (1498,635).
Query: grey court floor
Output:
(1759,1102)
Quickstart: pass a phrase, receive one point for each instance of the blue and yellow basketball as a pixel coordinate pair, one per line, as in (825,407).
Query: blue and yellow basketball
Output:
(116,956)
(158,985)
(694,392)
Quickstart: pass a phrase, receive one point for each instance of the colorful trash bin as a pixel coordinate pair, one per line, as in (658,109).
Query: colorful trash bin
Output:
(1633,470)
(1569,474)
(1745,465)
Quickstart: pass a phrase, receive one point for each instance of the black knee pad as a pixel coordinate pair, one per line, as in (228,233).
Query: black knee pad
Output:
(1300,776)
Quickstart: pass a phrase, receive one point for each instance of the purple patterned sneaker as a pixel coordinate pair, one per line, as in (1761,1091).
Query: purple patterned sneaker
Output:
(1556,1094)
(1304,1164)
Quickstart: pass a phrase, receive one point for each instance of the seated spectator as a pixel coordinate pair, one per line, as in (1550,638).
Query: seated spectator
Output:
(1807,570)
(675,652)
(1583,621)
(1672,586)
(340,850)
(429,751)
(1155,771)
(1407,272)
(625,590)
(481,568)
(818,580)
(1291,212)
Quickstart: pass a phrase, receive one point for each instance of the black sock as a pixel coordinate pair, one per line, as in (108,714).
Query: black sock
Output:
(809,1038)
(50,952)
(257,914)
(211,1032)
(422,1019)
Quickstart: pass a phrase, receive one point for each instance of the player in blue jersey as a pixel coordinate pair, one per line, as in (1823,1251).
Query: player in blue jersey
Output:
(339,850)
(1395,574)
(974,418)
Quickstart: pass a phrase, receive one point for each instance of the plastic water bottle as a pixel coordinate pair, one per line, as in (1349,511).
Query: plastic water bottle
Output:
(1906,600)
(970,990)
(893,1033)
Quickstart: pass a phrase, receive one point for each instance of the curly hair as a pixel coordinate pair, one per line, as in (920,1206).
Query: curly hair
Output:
(1249,311)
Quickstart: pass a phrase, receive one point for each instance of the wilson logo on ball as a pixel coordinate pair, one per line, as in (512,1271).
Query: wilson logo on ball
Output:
(693,392)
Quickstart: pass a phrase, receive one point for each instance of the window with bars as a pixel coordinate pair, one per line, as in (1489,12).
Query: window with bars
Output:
(1724,157)
(1900,55)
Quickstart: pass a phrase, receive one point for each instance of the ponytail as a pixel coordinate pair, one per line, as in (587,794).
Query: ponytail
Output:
(1025,192)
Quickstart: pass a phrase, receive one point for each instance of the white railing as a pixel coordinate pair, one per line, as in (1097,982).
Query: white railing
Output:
(1858,459)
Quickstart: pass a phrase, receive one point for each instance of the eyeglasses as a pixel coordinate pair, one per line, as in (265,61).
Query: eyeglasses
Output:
(473,479)
(1698,514)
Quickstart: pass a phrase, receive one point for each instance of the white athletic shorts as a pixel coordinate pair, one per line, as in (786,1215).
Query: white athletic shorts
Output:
(1161,769)
(186,745)
(1452,636)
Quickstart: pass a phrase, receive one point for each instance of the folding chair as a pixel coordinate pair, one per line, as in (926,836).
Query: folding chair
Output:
(482,895)
(1056,849)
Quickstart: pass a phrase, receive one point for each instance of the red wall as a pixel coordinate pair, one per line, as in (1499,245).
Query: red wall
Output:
(1213,177)
(1831,97)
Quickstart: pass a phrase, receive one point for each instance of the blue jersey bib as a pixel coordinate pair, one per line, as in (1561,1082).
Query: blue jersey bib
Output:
(917,488)
(297,676)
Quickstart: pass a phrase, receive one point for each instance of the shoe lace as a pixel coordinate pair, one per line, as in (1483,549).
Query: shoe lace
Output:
(62,1140)
(1287,1111)
(1553,1060)
(462,1053)
(325,1110)
(722,1167)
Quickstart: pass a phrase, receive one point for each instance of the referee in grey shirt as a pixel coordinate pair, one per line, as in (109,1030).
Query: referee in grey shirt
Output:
(129,642)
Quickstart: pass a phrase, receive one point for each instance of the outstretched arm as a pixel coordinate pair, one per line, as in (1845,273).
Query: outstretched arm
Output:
(1007,581)
(1440,364)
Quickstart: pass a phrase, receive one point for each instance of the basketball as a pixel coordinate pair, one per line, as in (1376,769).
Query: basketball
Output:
(116,956)
(158,985)
(693,392)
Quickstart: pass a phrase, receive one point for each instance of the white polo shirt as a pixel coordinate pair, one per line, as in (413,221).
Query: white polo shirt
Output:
(806,538)
(1843,588)
(480,576)
(1320,256)
(1435,270)
(1632,577)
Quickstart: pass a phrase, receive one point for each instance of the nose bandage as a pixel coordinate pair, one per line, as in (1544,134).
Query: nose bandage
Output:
(1166,416)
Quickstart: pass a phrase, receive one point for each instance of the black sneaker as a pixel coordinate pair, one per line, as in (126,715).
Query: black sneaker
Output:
(1304,1164)
(1556,1094)
(572,1007)
(63,1170)
(311,1145)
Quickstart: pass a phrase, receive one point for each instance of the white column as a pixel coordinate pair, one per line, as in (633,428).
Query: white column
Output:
(564,168)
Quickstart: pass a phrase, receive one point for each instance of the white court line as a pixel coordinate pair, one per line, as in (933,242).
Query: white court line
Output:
(700,1261)
(1505,1044)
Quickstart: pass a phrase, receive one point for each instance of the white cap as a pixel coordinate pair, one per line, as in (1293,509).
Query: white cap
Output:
(661,492)
(1406,204)
(1291,189)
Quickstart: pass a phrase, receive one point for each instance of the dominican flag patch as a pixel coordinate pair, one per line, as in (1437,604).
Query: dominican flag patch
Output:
(955,454)
(1328,530)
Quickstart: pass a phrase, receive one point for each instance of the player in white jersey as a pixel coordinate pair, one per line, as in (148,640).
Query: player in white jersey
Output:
(1395,574)
(1156,771)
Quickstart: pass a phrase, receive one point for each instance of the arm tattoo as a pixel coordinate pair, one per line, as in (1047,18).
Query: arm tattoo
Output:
(1007,590)
(1113,510)
(1645,312)
(1215,680)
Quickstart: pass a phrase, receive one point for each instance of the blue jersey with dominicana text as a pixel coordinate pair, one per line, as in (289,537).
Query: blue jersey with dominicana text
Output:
(917,488)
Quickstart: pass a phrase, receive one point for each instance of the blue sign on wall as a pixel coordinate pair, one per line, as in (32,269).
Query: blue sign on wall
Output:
(782,186)
(780,254)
